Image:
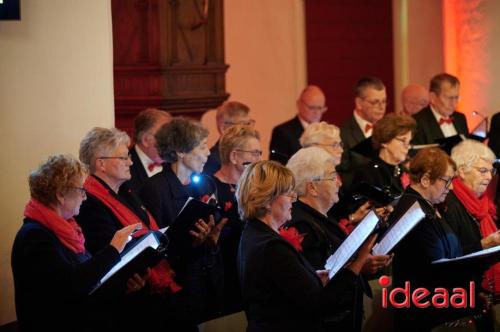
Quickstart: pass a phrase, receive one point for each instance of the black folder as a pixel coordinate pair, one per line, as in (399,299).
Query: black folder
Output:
(376,195)
(193,210)
(136,258)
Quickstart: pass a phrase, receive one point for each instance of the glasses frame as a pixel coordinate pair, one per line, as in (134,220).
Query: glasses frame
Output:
(376,103)
(254,153)
(484,170)
(292,195)
(447,181)
(81,190)
(127,158)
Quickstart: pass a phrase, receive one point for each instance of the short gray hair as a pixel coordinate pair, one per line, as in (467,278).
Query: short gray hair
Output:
(469,151)
(100,142)
(316,133)
(308,164)
(179,135)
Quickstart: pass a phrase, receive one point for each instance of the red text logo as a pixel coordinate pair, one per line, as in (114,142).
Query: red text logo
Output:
(404,297)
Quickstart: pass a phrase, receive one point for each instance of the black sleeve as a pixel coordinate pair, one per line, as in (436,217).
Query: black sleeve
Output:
(296,283)
(152,199)
(456,222)
(279,144)
(53,270)
(312,248)
(98,224)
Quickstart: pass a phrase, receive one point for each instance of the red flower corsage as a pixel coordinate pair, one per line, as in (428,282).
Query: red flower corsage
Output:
(205,198)
(293,236)
(228,205)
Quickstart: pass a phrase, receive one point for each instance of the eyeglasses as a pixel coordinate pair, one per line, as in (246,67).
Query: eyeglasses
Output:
(334,177)
(121,158)
(314,108)
(250,122)
(335,145)
(402,141)
(81,190)
(447,181)
(292,195)
(254,153)
(380,103)
(484,171)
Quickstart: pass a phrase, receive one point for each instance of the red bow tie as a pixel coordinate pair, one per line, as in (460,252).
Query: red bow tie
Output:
(448,121)
(368,127)
(153,165)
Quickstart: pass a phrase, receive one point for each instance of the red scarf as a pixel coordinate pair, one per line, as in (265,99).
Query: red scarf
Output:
(483,209)
(162,275)
(123,213)
(67,231)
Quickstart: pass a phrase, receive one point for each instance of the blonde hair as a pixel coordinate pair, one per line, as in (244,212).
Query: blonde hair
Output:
(316,133)
(233,138)
(470,151)
(308,164)
(261,183)
(101,142)
(55,176)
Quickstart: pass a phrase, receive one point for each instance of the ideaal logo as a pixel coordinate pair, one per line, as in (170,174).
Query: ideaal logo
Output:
(422,297)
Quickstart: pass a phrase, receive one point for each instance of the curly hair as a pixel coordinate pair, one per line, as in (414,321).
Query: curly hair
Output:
(317,133)
(261,183)
(179,135)
(55,176)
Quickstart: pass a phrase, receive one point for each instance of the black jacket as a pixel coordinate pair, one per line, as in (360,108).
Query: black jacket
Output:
(281,291)
(52,282)
(285,140)
(199,271)
(322,236)
(430,240)
(428,129)
(351,135)
(213,162)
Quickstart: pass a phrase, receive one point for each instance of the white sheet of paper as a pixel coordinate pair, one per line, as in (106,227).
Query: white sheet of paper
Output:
(399,230)
(350,245)
(480,253)
(149,241)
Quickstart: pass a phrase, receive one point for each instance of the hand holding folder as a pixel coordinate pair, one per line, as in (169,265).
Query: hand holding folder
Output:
(136,258)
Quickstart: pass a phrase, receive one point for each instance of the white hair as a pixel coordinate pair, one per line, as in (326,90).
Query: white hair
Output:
(469,151)
(308,164)
(316,133)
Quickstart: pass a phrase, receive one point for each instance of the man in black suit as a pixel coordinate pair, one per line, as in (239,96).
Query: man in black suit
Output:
(229,114)
(370,100)
(145,158)
(285,137)
(439,119)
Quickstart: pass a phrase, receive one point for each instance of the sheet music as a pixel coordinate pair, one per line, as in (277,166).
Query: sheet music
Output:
(399,230)
(480,253)
(149,241)
(350,245)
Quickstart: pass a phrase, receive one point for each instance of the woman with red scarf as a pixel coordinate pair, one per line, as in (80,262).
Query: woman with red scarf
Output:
(53,272)
(109,208)
(469,207)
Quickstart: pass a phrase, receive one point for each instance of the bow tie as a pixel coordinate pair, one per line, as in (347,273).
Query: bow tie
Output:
(443,121)
(153,165)
(368,127)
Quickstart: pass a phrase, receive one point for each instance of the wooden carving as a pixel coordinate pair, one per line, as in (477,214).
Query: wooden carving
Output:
(167,54)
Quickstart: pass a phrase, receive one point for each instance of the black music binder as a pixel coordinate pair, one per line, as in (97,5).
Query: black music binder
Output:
(145,252)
